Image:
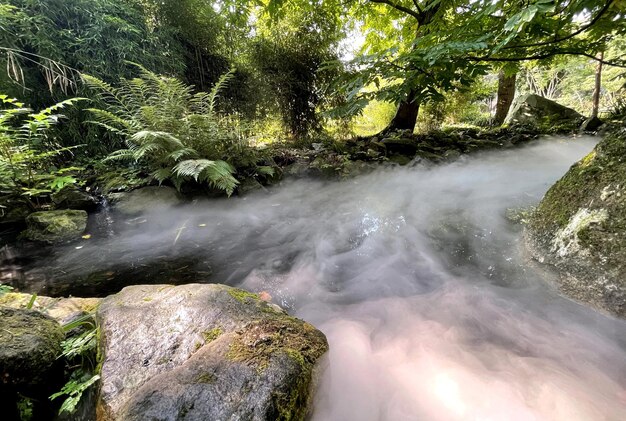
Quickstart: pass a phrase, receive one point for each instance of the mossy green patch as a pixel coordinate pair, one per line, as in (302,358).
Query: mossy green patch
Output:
(594,186)
(55,226)
(260,340)
(242,296)
(206,378)
(264,341)
(211,335)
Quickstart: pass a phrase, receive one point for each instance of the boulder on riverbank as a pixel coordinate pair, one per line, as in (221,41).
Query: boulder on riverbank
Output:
(63,310)
(580,227)
(73,198)
(537,110)
(31,343)
(144,199)
(203,352)
(55,226)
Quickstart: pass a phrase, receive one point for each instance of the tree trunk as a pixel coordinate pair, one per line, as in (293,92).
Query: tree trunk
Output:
(506,93)
(598,85)
(406,116)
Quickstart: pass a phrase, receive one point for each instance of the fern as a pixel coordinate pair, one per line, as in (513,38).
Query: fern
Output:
(27,151)
(176,135)
(217,173)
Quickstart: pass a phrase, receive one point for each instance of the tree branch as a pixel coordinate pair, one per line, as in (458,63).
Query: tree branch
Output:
(548,55)
(417,6)
(399,7)
(572,35)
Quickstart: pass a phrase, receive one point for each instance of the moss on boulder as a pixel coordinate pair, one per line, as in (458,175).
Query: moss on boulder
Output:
(537,110)
(31,343)
(55,226)
(580,227)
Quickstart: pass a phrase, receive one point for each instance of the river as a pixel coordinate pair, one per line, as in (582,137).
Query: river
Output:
(432,308)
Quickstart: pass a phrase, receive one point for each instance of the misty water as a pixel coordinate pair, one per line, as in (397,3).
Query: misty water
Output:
(432,308)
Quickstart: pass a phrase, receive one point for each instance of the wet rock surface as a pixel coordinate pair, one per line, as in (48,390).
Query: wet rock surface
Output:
(203,352)
(54,227)
(72,198)
(144,199)
(63,310)
(580,227)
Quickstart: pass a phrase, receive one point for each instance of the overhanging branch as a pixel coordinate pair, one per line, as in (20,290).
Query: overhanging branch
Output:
(399,7)
(572,35)
(547,55)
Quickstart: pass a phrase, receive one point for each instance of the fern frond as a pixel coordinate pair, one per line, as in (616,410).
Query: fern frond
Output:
(121,155)
(181,153)
(266,170)
(161,174)
(147,136)
(104,117)
(217,173)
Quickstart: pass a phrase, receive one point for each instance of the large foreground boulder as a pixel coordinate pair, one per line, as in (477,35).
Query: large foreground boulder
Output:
(203,352)
(537,110)
(580,227)
(55,226)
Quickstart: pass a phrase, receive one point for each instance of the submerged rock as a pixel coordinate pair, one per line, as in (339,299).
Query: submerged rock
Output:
(535,109)
(144,199)
(580,227)
(203,352)
(55,226)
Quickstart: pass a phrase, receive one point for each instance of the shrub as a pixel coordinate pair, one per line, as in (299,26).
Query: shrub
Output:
(175,134)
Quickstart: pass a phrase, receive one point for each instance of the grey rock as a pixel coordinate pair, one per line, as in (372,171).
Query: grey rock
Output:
(55,226)
(13,211)
(63,310)
(578,228)
(248,185)
(144,199)
(298,169)
(535,109)
(591,124)
(72,198)
(30,344)
(203,352)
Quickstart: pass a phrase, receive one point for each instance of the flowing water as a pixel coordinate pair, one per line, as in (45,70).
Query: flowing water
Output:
(420,282)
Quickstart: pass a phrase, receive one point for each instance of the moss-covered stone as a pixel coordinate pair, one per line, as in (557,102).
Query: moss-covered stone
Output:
(31,343)
(55,226)
(580,227)
(221,341)
(63,310)
(534,109)
(144,199)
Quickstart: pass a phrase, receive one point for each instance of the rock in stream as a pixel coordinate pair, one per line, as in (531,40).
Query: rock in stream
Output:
(204,352)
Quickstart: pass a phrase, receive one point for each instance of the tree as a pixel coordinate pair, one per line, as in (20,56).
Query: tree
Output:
(597,86)
(506,93)
(442,45)
(46,41)
(289,53)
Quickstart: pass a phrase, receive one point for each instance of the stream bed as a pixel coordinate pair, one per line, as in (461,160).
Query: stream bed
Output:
(416,274)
